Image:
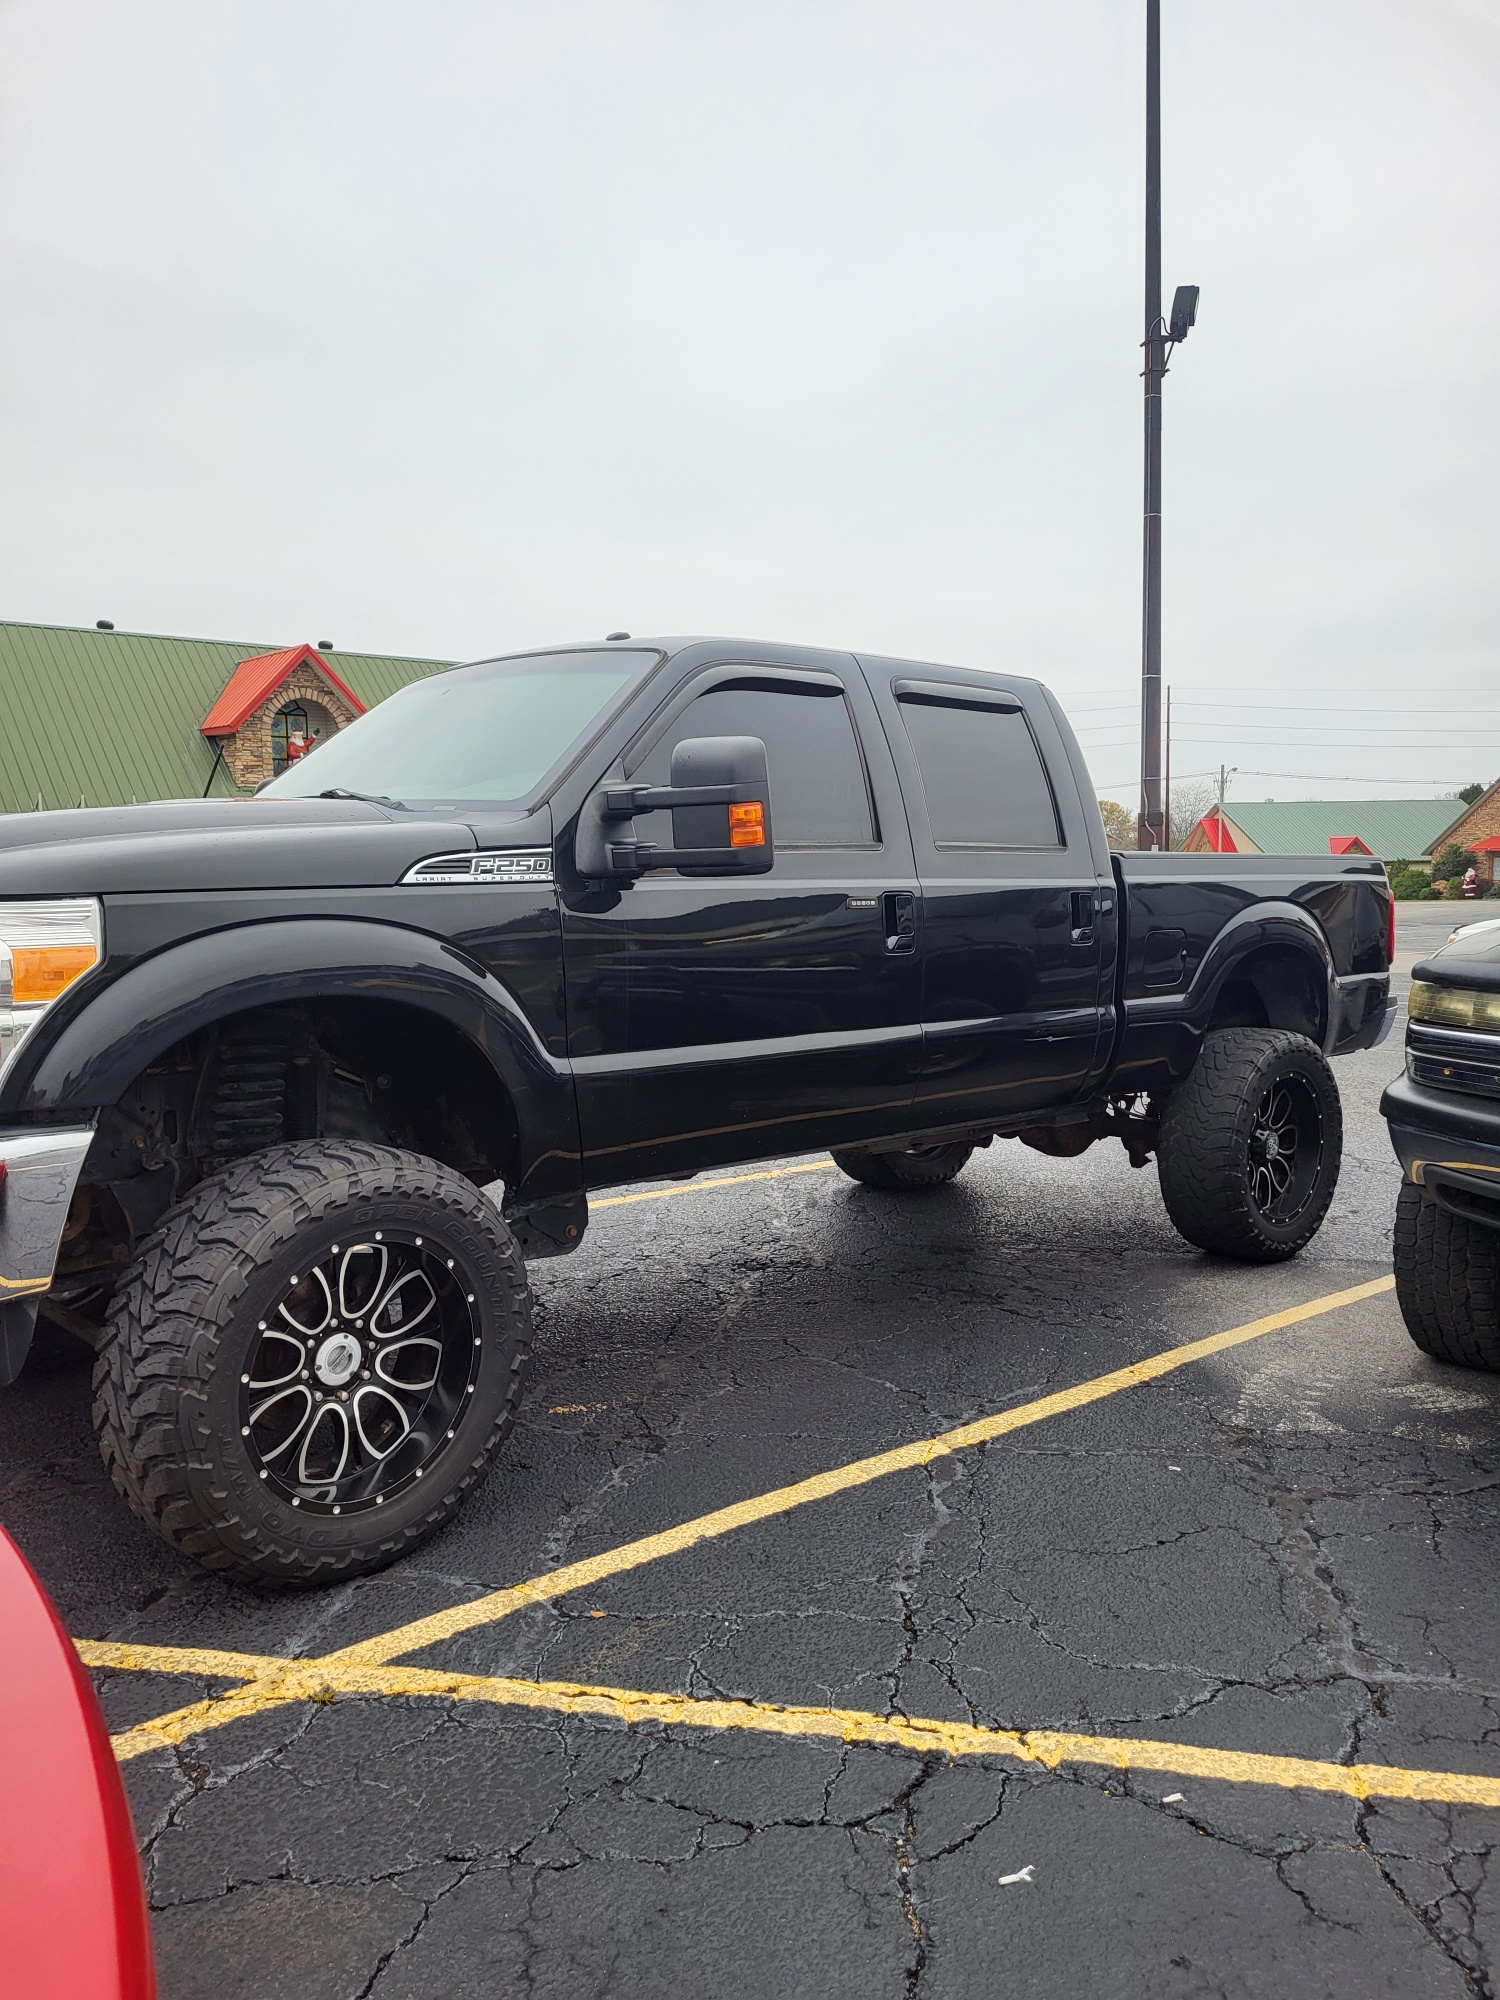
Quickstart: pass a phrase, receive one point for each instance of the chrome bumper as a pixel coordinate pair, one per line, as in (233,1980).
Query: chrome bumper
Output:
(41,1171)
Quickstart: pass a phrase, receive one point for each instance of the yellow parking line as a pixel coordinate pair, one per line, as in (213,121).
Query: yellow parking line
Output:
(310,1679)
(276,1681)
(823,1485)
(701,1187)
(204,1660)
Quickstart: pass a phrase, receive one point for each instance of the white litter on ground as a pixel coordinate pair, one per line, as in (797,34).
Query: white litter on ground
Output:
(1172,1799)
(1021,1875)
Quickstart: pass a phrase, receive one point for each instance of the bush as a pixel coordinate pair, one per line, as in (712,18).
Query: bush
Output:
(1413,888)
(1410,885)
(1452,864)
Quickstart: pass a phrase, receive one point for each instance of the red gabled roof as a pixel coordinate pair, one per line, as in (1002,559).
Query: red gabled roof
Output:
(1347,843)
(255,679)
(1216,833)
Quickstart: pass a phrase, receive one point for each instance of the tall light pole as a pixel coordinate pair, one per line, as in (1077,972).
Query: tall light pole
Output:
(1151,828)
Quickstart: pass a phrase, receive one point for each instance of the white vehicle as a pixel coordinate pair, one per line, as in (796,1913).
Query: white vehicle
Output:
(1463,930)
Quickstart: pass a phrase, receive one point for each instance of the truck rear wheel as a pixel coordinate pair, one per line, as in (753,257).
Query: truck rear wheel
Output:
(913,1167)
(312,1361)
(1447,1281)
(1250,1145)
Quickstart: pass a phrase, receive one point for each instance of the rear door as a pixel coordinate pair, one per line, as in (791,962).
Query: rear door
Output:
(1017,919)
(768,1013)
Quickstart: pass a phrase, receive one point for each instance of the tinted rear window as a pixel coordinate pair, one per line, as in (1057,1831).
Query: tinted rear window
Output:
(982,775)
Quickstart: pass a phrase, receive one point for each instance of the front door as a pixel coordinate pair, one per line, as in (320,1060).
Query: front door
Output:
(714,1020)
(1015,914)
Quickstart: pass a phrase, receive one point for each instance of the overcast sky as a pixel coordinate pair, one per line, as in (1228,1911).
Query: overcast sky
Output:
(456,328)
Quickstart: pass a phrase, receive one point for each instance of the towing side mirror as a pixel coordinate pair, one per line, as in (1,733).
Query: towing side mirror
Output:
(720,804)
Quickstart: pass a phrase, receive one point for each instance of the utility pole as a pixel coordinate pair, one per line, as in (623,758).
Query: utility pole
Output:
(1226,772)
(1151,827)
(1166,788)
(1149,831)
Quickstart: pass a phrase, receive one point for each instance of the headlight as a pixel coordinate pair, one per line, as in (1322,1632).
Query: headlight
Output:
(1454,1007)
(44,947)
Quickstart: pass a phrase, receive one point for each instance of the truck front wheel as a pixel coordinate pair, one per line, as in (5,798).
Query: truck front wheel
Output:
(312,1360)
(1448,1281)
(913,1167)
(1250,1145)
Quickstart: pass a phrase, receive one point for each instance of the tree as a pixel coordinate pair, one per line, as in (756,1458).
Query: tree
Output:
(1192,799)
(1119,823)
(1469,793)
(1452,864)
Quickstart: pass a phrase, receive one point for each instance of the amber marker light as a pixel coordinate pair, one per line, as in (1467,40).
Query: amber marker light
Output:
(747,825)
(45,945)
(40,972)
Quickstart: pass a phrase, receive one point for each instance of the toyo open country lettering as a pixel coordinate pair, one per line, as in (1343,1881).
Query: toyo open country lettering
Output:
(572,919)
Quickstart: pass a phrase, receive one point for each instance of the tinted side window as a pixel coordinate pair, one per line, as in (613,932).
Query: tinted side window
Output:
(819,794)
(982,776)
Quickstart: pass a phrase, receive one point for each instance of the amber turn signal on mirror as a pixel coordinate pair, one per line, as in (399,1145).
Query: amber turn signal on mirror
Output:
(747,825)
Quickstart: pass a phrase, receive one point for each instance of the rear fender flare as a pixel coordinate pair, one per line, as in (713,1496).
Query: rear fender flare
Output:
(1284,925)
(189,986)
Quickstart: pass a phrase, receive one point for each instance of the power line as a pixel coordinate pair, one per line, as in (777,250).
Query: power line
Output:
(1339,729)
(1457,744)
(1319,777)
(1462,693)
(1343,778)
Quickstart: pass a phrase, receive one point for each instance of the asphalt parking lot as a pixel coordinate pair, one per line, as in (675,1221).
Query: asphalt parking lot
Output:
(913,1639)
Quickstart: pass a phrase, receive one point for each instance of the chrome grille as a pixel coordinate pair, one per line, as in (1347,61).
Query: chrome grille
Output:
(1448,1059)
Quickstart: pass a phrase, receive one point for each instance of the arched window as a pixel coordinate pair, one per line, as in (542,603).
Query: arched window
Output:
(286,723)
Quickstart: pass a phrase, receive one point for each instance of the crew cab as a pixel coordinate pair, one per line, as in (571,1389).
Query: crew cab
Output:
(572,919)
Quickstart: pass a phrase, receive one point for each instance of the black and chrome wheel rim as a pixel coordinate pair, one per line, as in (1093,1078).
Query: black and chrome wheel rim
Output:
(359,1375)
(1286,1149)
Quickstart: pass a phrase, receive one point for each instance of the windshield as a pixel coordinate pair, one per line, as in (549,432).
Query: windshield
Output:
(489,732)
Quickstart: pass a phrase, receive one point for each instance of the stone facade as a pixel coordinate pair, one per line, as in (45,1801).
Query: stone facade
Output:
(1480,821)
(248,754)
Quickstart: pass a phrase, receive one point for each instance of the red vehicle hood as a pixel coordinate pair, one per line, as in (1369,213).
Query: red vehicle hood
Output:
(73,1922)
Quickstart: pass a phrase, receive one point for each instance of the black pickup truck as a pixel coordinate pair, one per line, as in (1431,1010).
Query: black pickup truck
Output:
(582,917)
(1443,1114)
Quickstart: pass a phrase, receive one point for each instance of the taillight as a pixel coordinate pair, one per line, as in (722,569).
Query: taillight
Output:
(1390,930)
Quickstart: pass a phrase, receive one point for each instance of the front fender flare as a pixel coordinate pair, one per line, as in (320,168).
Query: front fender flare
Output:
(189,986)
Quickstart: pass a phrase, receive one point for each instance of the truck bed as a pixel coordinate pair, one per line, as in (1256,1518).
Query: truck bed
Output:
(1182,912)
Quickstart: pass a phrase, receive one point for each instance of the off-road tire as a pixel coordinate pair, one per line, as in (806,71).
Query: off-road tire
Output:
(1448,1282)
(905,1172)
(1206,1157)
(184,1320)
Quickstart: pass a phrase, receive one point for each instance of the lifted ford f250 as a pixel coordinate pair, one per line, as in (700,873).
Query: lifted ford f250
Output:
(576,918)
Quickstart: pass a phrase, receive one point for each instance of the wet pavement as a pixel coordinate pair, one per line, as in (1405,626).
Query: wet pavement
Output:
(1282,1549)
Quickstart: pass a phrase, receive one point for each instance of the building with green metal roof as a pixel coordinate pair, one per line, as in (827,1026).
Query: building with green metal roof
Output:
(1395,829)
(101,718)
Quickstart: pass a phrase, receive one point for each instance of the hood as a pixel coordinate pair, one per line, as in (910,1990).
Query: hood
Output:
(233,844)
(1472,959)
